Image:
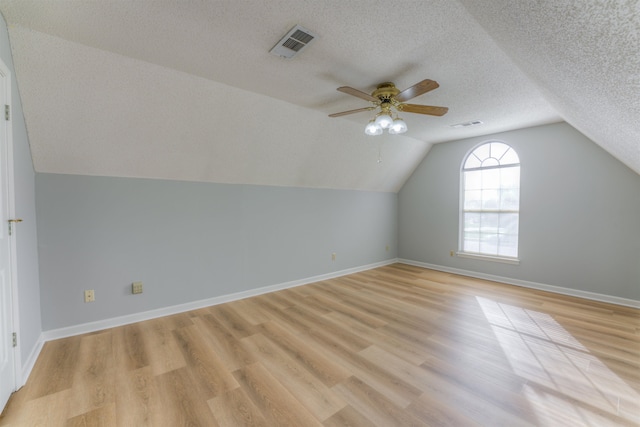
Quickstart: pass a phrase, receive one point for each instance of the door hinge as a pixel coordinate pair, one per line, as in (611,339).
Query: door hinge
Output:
(11,222)
(15,339)
(7,112)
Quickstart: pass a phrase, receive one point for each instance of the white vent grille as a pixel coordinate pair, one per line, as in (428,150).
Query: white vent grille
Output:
(294,42)
(466,124)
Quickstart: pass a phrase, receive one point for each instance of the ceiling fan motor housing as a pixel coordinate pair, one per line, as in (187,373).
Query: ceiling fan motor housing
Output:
(385,92)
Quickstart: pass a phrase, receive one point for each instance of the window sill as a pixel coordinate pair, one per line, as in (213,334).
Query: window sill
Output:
(504,260)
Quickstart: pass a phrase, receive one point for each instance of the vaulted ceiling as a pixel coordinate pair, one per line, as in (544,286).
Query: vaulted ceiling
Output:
(188,90)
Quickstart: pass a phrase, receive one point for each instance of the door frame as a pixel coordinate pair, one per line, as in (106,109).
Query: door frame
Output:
(10,199)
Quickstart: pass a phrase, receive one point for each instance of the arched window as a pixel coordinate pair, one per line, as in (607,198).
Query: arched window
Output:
(490,202)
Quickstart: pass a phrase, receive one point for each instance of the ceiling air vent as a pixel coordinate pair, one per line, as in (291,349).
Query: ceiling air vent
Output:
(293,42)
(466,124)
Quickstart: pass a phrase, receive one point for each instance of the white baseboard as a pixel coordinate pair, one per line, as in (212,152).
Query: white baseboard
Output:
(27,367)
(181,308)
(526,284)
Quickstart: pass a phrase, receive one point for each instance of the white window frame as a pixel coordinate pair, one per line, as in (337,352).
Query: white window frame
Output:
(479,255)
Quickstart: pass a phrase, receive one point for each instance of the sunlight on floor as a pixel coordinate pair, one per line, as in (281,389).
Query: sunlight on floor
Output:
(556,365)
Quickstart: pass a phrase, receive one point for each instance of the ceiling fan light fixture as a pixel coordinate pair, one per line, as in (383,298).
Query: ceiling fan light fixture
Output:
(383,120)
(372,129)
(389,102)
(398,126)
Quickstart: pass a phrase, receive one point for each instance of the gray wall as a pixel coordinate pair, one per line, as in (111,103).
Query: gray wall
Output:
(191,241)
(579,213)
(26,240)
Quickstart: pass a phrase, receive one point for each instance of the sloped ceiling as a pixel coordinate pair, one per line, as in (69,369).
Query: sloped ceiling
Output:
(585,58)
(187,90)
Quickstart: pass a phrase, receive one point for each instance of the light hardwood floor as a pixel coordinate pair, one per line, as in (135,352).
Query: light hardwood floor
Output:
(394,346)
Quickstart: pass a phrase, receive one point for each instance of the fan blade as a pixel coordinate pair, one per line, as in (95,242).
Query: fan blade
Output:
(344,113)
(358,93)
(417,90)
(424,109)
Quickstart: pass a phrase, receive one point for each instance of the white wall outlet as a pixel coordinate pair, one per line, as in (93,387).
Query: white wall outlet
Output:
(136,288)
(386,248)
(451,253)
(89,296)
(333,256)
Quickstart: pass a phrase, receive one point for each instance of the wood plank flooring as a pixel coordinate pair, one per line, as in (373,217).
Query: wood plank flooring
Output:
(393,346)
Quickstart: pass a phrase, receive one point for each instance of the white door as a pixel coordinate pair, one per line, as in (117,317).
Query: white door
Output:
(7,351)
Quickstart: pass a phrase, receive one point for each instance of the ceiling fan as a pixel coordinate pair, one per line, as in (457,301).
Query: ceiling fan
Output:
(391,101)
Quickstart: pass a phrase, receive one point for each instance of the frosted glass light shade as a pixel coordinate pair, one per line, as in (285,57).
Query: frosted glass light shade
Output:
(398,126)
(384,121)
(372,129)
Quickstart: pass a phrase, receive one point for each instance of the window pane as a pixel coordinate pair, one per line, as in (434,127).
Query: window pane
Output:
(489,223)
(508,245)
(471,234)
(490,199)
(510,177)
(472,162)
(509,158)
(473,180)
(471,225)
(489,244)
(471,246)
(483,151)
(508,223)
(510,199)
(472,199)
(490,178)
(490,162)
(490,220)
(498,149)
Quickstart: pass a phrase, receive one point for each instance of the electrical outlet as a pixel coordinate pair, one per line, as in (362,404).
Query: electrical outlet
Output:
(451,253)
(333,256)
(386,248)
(136,288)
(89,296)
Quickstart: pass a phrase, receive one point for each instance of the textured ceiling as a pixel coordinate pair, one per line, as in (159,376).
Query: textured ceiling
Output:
(585,58)
(187,90)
